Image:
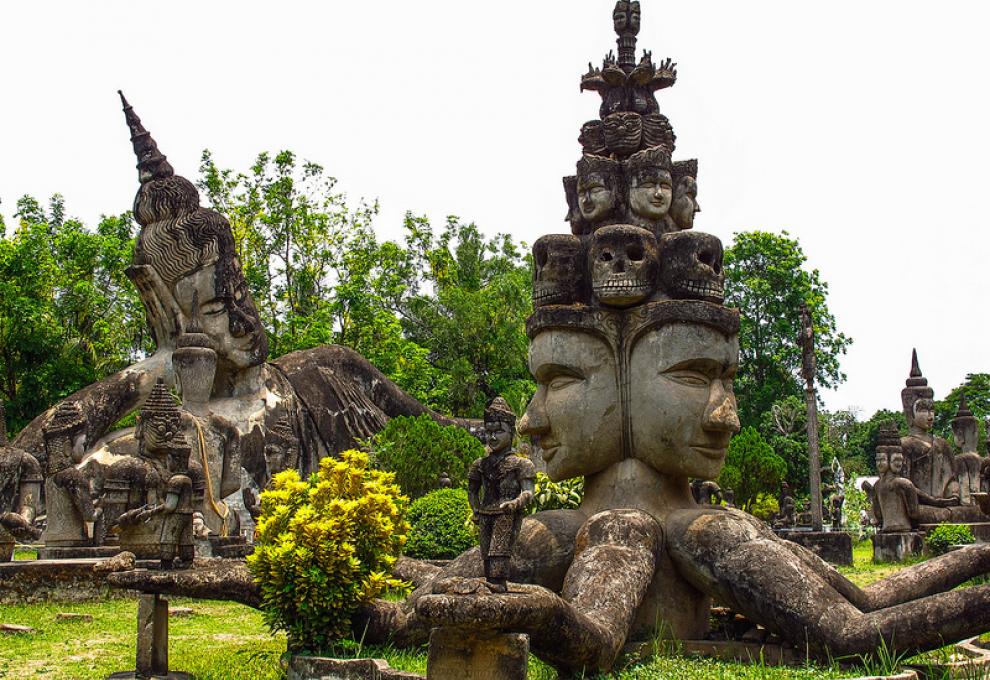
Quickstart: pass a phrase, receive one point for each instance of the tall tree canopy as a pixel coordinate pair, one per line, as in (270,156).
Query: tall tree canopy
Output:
(766,280)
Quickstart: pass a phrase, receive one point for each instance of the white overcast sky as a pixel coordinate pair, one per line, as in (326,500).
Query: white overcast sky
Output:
(859,127)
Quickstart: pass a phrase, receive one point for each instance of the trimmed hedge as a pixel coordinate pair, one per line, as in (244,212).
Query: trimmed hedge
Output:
(441,525)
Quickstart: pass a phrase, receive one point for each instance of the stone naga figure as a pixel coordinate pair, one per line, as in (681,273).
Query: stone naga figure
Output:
(898,504)
(968,463)
(500,486)
(185,266)
(928,457)
(636,398)
(20,487)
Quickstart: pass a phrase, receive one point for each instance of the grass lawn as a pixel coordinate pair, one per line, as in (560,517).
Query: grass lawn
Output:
(227,641)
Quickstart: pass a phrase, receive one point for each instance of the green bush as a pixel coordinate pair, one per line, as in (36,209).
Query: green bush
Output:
(441,525)
(944,536)
(550,495)
(751,468)
(418,450)
(764,506)
(326,546)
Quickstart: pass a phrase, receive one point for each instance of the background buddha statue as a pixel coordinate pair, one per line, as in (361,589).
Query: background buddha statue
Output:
(187,273)
(968,463)
(928,456)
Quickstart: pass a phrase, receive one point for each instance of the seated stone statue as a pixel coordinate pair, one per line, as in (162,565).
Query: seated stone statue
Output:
(898,504)
(968,463)
(928,457)
(500,486)
(72,514)
(20,487)
(184,267)
(157,523)
(706,492)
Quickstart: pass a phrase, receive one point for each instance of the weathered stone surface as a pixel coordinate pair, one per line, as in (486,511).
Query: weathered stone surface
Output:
(78,552)
(27,581)
(456,655)
(152,636)
(897,546)
(323,668)
(213,579)
(122,561)
(835,547)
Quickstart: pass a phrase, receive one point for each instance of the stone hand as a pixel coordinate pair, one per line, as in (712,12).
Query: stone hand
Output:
(131,517)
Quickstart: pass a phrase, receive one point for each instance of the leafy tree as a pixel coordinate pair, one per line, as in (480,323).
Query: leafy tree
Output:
(766,280)
(751,468)
(68,314)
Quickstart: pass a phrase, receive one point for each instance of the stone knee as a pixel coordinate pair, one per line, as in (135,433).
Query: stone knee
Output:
(633,529)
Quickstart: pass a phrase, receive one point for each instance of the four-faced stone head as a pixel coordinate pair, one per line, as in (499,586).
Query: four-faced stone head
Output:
(622,260)
(599,189)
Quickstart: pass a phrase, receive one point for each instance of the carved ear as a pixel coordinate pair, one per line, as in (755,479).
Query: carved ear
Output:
(164,315)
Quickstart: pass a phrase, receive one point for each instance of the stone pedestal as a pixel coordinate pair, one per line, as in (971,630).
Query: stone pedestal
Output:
(834,547)
(235,547)
(152,643)
(7,544)
(456,654)
(81,552)
(897,546)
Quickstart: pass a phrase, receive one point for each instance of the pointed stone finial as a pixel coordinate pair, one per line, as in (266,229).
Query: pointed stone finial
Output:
(915,369)
(152,164)
(963,410)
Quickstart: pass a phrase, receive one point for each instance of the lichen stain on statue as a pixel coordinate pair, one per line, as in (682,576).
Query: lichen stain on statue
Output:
(634,357)
(211,346)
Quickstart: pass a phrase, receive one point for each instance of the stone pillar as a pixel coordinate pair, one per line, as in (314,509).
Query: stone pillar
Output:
(807,344)
(456,654)
(152,636)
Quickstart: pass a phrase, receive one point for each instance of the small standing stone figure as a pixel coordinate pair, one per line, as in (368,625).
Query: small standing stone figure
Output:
(20,488)
(500,486)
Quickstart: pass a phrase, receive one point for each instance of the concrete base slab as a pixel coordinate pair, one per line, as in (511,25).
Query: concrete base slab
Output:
(897,546)
(456,654)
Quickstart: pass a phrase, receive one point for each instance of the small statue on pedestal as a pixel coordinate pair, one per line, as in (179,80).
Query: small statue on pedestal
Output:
(500,486)
(20,488)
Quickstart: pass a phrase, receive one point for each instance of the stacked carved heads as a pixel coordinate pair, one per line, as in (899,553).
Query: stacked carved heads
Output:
(629,204)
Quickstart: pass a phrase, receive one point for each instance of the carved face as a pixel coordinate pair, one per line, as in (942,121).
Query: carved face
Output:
(681,404)
(499,435)
(623,264)
(596,196)
(924,414)
(573,417)
(691,266)
(155,433)
(964,433)
(626,17)
(685,203)
(881,462)
(623,133)
(592,138)
(231,322)
(896,462)
(651,194)
(558,269)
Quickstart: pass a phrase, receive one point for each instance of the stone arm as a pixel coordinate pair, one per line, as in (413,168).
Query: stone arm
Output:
(528,488)
(584,628)
(796,595)
(474,490)
(922,498)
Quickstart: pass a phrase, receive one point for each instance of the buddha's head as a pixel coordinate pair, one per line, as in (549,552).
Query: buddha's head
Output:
(965,428)
(916,390)
(685,199)
(186,267)
(923,414)
(889,443)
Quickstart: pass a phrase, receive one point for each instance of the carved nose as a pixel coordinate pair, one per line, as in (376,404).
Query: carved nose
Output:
(720,413)
(534,422)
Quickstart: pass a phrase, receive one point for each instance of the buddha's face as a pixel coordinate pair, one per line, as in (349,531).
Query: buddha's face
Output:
(650,194)
(574,417)
(924,416)
(681,404)
(231,322)
(965,435)
(596,198)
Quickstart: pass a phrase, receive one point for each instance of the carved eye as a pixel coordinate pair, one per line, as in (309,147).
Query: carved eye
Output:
(606,256)
(634,252)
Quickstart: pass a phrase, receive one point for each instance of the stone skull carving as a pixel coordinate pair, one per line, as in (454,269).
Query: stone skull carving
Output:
(623,132)
(558,270)
(691,266)
(592,138)
(622,261)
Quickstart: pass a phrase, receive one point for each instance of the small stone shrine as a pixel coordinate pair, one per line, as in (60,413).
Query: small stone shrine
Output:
(634,355)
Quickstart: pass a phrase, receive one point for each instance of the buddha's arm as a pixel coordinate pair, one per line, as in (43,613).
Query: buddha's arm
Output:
(103,403)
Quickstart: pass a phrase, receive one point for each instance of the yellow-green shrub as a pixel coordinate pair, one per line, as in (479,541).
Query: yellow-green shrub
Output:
(326,546)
